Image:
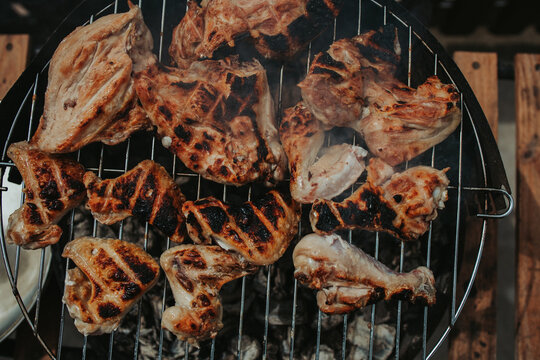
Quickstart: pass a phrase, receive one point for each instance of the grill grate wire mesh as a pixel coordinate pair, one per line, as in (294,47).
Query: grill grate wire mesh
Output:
(428,348)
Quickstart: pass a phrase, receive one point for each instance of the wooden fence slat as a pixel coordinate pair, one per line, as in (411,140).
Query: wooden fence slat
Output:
(527,74)
(13,54)
(475,333)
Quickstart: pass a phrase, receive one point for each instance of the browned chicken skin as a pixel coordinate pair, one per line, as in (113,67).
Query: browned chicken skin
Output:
(53,186)
(302,136)
(259,230)
(146,191)
(111,275)
(196,273)
(353,84)
(279,28)
(90,95)
(401,204)
(347,278)
(217,117)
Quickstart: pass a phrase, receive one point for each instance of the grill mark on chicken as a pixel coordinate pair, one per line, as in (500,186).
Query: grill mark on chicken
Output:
(260,230)
(146,191)
(353,84)
(90,94)
(196,273)
(106,283)
(401,204)
(347,279)
(53,186)
(224,126)
(278,29)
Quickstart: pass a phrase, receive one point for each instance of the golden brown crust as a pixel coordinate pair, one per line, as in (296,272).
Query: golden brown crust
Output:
(111,275)
(146,191)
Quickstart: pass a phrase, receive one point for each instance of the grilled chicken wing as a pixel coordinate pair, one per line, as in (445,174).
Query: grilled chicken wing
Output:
(90,96)
(353,84)
(401,204)
(279,28)
(260,230)
(146,191)
(196,273)
(302,136)
(53,186)
(346,278)
(217,117)
(111,275)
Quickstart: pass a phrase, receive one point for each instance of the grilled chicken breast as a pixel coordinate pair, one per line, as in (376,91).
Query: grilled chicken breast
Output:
(353,84)
(196,273)
(111,275)
(346,278)
(53,185)
(313,177)
(401,204)
(217,117)
(279,28)
(90,95)
(146,191)
(260,230)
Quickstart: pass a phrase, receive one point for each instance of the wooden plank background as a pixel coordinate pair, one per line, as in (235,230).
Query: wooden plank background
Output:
(13,55)
(475,333)
(527,87)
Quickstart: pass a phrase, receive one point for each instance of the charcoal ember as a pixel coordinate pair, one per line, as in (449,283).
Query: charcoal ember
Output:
(325,353)
(250,349)
(328,322)
(178,349)
(358,334)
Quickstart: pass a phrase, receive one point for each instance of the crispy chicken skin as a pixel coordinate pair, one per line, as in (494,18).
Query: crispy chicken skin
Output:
(90,95)
(259,230)
(346,278)
(53,185)
(111,275)
(279,28)
(146,191)
(353,84)
(196,273)
(217,117)
(401,204)
(302,136)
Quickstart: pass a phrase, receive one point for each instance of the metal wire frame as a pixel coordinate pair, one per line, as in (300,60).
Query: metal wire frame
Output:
(456,305)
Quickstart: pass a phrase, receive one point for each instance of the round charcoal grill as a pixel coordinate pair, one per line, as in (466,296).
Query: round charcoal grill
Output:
(269,314)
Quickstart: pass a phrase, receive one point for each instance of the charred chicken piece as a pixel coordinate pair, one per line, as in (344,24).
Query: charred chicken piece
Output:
(111,275)
(401,204)
(217,117)
(353,85)
(90,96)
(53,185)
(196,273)
(260,230)
(346,278)
(146,191)
(279,28)
(302,136)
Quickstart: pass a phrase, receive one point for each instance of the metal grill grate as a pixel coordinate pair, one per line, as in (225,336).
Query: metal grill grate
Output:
(369,11)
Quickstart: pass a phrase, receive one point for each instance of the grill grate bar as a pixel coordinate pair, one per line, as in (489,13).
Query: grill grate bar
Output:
(374,306)
(458,214)
(266,313)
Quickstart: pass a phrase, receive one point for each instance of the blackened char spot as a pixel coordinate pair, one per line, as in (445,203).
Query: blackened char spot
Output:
(232,106)
(182,278)
(319,14)
(193,258)
(131,290)
(145,202)
(271,208)
(165,111)
(50,191)
(376,55)
(326,59)
(108,310)
(34,216)
(141,269)
(215,217)
(376,295)
(334,75)
(248,222)
(301,29)
(166,218)
(244,87)
(54,205)
(376,206)
(326,220)
(277,43)
(204,300)
(185,85)
(192,221)
(182,133)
